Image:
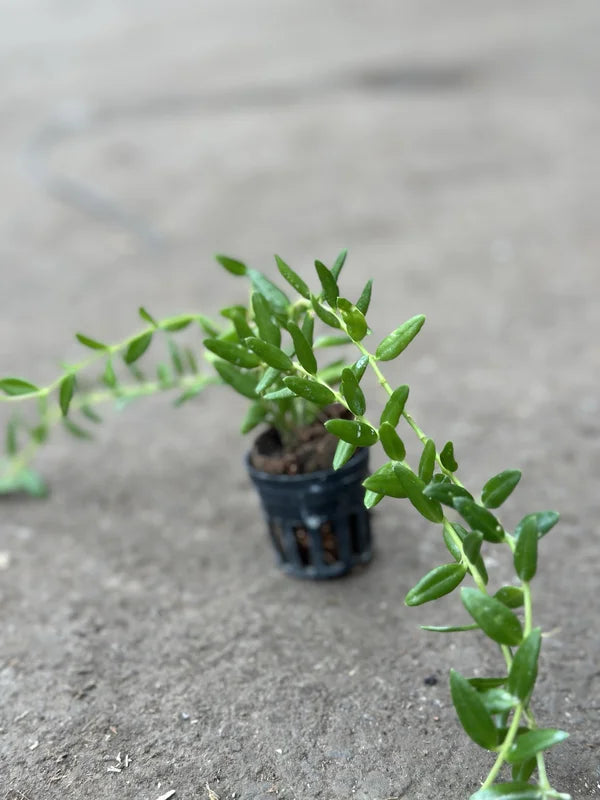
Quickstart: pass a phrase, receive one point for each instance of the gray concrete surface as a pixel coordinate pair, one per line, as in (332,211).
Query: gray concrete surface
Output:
(453,148)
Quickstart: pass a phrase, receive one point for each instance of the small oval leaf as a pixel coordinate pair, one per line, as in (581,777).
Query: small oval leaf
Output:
(243,382)
(65,393)
(525,556)
(528,744)
(398,340)
(353,394)
(292,278)
(137,347)
(480,519)
(510,596)
(544,520)
(446,492)
(523,672)
(493,617)
(384,481)
(498,488)
(304,352)
(17,386)
(236,354)
(232,265)
(472,713)
(395,406)
(328,282)
(93,344)
(270,354)
(427,461)
(447,457)
(352,431)
(343,453)
(413,486)
(325,316)
(364,300)
(437,583)
(310,390)
(513,790)
(391,442)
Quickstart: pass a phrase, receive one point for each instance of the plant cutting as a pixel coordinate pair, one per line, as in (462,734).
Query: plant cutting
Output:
(495,711)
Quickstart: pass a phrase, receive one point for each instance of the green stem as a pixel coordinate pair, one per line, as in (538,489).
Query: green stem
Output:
(506,745)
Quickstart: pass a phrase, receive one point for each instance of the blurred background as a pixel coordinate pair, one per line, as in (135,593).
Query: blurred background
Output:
(453,149)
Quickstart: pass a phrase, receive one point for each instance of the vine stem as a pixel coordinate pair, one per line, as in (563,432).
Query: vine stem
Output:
(506,745)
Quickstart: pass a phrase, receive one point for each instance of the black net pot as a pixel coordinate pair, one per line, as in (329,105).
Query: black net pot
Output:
(317,522)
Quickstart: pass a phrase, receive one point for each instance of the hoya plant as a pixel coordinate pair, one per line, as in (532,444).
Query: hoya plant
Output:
(269,353)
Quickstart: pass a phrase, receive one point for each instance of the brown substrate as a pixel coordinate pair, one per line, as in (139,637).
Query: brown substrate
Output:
(313,448)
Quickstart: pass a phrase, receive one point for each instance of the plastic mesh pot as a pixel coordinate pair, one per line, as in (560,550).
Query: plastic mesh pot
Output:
(317,522)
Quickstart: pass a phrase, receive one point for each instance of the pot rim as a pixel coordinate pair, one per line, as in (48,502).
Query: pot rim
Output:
(361,455)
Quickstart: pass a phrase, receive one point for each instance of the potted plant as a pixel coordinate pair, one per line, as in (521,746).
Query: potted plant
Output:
(316,518)
(495,711)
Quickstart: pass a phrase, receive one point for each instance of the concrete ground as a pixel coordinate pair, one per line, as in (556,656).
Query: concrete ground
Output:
(147,642)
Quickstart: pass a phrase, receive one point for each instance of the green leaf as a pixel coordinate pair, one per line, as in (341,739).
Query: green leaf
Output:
(304,352)
(364,300)
(524,769)
(511,596)
(236,354)
(339,263)
(480,519)
(328,282)
(325,316)
(269,376)
(391,442)
(352,431)
(528,744)
(472,545)
(498,488)
(65,393)
(544,520)
(413,486)
(525,555)
(447,457)
(353,394)
(270,354)
(395,406)
(267,329)
(354,320)
(232,265)
(194,391)
(137,347)
(308,328)
(279,394)
(343,453)
(16,386)
(372,498)
(437,583)
(472,713)
(176,358)
(238,315)
(398,340)
(93,344)
(272,294)
(451,545)
(478,562)
(449,628)
(310,390)
(427,461)
(11,442)
(75,430)
(513,790)
(109,377)
(25,480)
(242,382)
(89,412)
(493,617)
(147,317)
(444,491)
(359,367)
(332,341)
(384,481)
(498,700)
(254,416)
(292,278)
(182,321)
(483,684)
(523,672)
